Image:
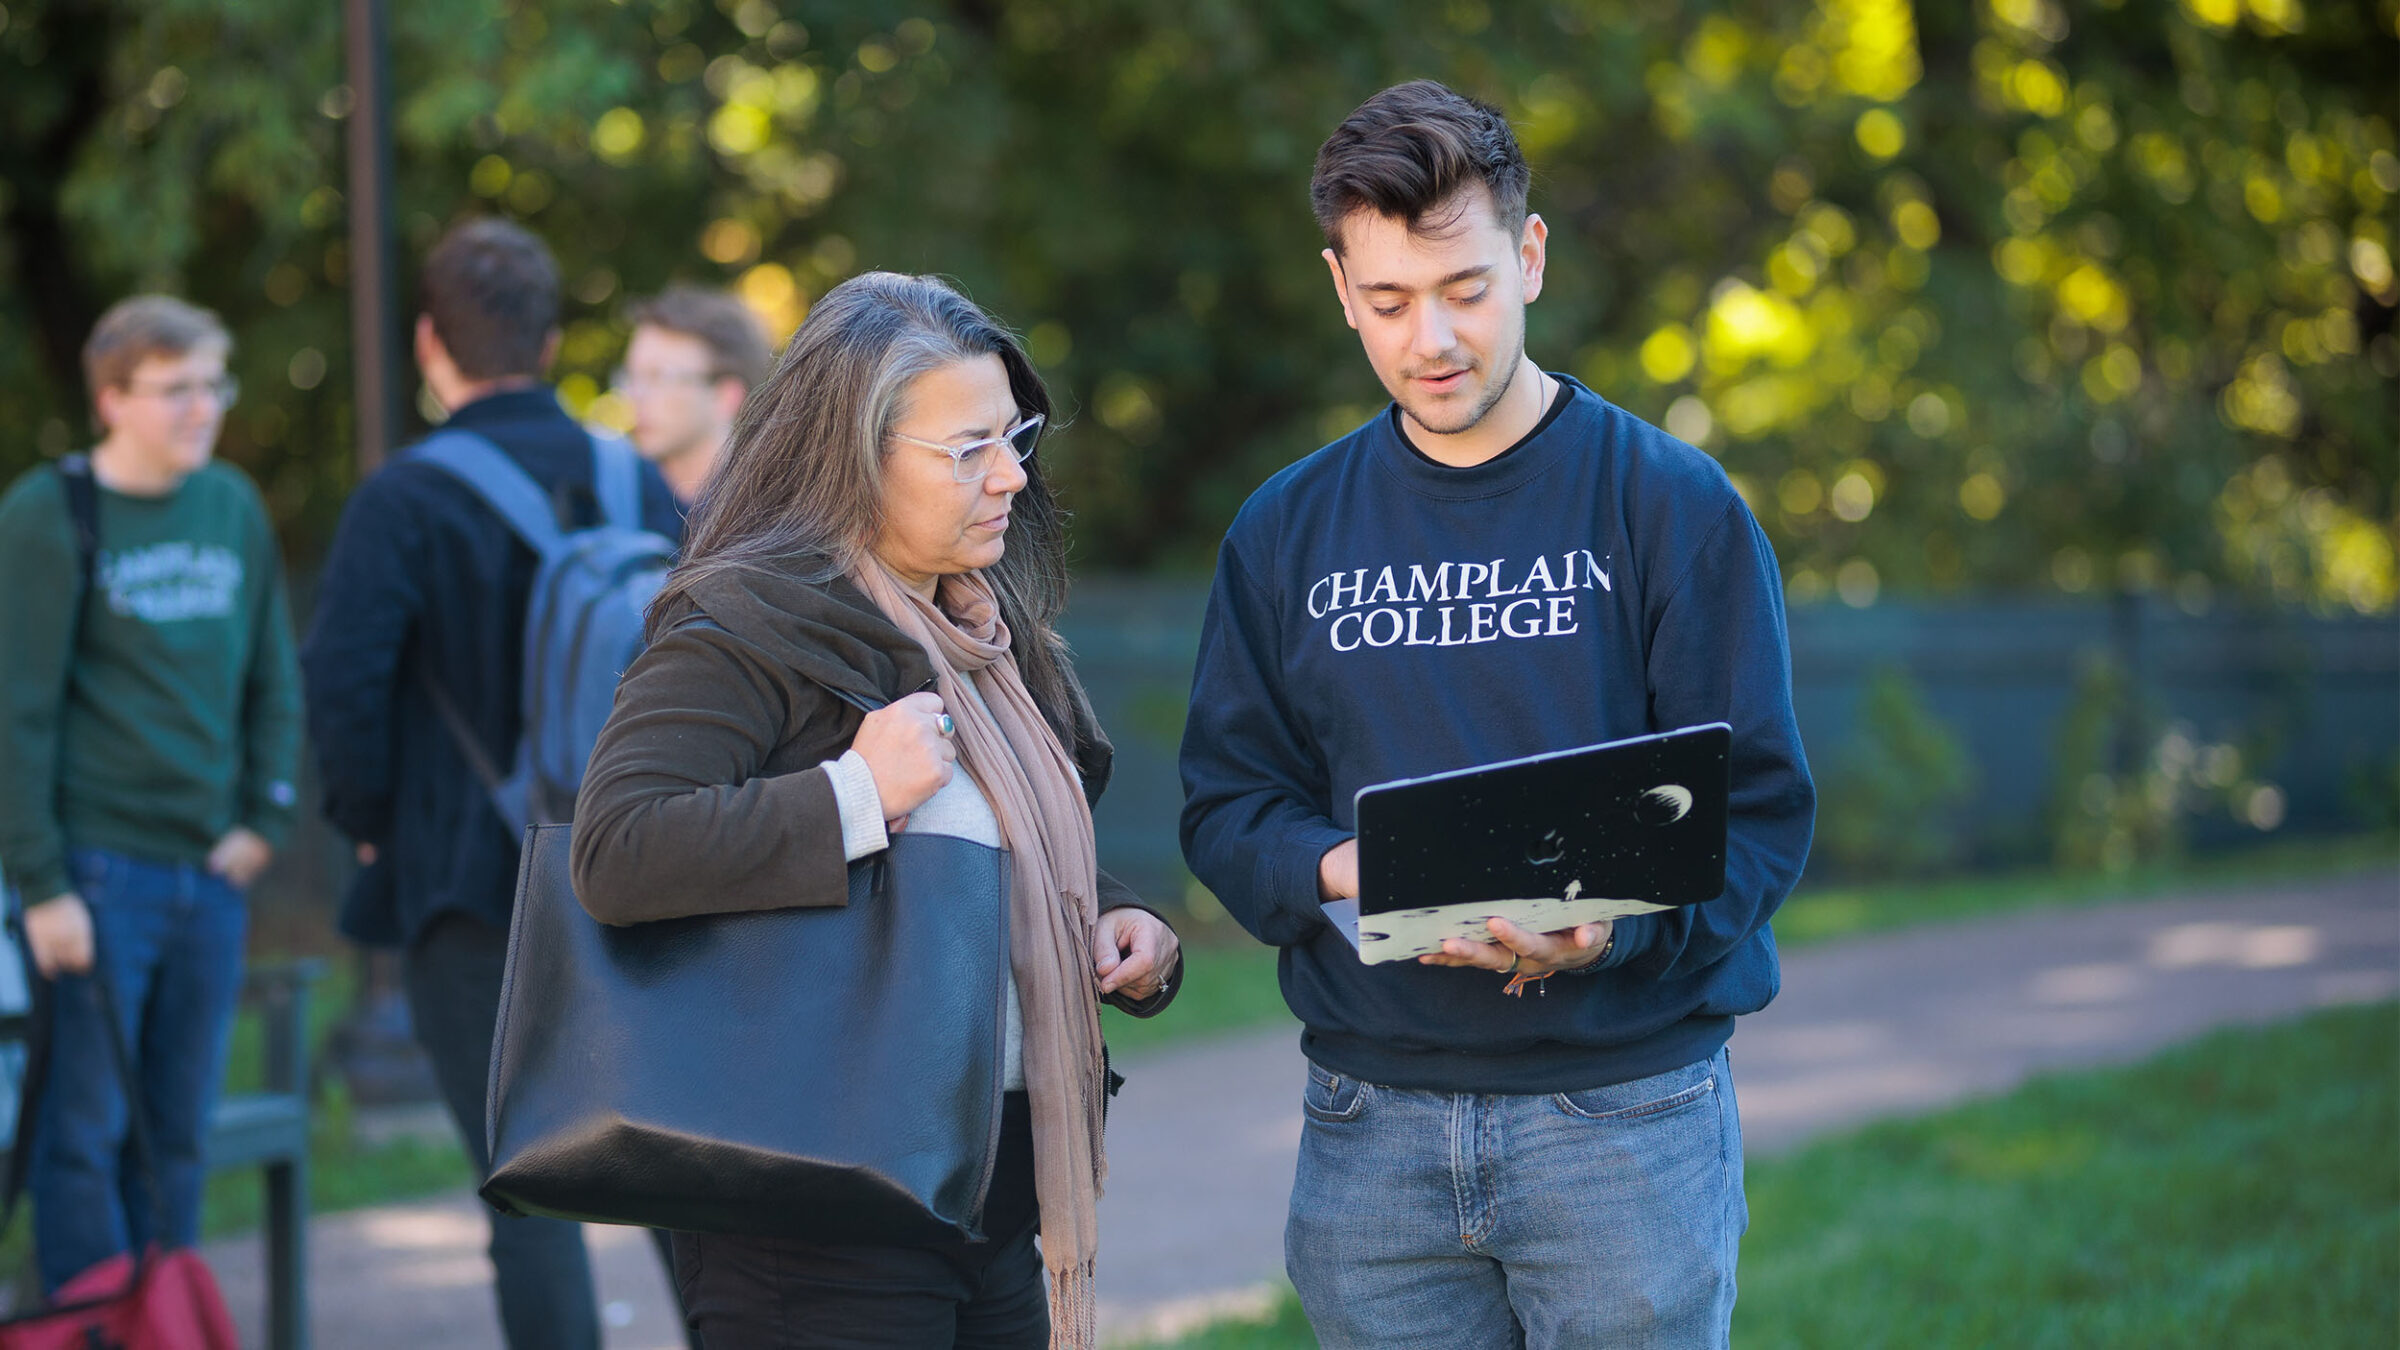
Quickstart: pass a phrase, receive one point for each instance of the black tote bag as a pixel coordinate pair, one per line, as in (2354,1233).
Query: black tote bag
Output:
(831,1074)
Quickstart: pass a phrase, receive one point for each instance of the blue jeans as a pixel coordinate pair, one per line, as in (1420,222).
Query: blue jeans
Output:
(170,939)
(1454,1221)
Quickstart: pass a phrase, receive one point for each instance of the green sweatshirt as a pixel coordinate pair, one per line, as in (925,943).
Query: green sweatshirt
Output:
(171,713)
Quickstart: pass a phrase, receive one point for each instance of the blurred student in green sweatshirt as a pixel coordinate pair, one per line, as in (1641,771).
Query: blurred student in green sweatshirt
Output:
(151,728)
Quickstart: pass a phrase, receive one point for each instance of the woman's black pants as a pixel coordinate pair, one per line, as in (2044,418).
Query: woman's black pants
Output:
(744,1293)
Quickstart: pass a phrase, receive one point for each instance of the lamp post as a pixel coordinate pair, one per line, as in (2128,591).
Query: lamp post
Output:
(373,1048)
(374,353)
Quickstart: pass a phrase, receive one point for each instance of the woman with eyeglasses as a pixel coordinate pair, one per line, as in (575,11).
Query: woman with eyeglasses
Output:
(879,530)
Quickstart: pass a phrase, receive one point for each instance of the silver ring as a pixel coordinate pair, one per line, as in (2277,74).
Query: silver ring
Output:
(1513,962)
(945,726)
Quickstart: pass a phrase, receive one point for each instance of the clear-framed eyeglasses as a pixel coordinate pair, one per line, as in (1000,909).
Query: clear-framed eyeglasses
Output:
(971,461)
(184,393)
(634,384)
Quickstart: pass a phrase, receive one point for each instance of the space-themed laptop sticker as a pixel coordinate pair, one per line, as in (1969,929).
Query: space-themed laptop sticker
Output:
(1547,842)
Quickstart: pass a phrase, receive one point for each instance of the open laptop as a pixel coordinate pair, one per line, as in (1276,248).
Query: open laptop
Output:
(1547,842)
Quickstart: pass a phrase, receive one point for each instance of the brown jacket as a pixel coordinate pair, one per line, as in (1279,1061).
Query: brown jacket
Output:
(701,795)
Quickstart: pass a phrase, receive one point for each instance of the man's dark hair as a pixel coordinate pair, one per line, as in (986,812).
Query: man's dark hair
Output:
(1408,151)
(737,345)
(492,292)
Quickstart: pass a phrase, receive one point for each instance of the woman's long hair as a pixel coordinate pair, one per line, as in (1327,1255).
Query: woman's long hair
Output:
(800,485)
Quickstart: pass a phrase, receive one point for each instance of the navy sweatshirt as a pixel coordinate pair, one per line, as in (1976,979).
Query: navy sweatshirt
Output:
(424,579)
(1378,615)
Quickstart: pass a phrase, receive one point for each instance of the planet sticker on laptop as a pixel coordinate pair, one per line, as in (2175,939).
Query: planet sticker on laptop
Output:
(1663,805)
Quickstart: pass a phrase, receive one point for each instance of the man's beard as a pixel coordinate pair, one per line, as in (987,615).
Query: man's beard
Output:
(1492,395)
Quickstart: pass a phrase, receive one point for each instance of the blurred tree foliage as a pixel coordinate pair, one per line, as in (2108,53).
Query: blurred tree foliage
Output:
(2010,294)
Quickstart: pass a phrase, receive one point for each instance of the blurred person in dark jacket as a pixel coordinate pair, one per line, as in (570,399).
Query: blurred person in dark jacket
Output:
(423,597)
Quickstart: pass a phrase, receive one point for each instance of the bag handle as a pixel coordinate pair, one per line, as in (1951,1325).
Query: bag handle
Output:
(42,1018)
(35,1021)
(863,702)
(137,1113)
(454,719)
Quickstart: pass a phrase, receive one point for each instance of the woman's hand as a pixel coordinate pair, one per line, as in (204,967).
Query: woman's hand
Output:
(1133,952)
(907,752)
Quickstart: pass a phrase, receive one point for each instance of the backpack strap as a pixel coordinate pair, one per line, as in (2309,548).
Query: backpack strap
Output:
(617,480)
(511,493)
(83,510)
(31,1026)
(487,470)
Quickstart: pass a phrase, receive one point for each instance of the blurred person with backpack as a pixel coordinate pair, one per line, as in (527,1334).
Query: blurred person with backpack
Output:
(146,760)
(449,700)
(695,354)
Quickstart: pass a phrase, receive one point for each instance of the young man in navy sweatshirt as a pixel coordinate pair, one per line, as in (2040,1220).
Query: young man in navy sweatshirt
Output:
(1500,563)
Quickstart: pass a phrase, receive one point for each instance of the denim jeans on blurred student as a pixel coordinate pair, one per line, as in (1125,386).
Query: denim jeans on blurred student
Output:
(1456,1221)
(170,939)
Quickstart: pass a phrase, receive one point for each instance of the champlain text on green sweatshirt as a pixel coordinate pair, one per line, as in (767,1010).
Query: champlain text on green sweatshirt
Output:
(162,708)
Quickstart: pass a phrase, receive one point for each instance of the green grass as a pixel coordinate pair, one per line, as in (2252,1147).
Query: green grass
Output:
(2243,1190)
(1285,1329)
(1231,983)
(343,1174)
(1228,985)
(1816,913)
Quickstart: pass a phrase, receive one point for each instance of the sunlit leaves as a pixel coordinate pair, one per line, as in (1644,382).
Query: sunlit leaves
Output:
(617,135)
(1880,133)
(1746,324)
(774,295)
(2090,296)
(2011,293)
(1981,496)
(1873,46)
(1668,354)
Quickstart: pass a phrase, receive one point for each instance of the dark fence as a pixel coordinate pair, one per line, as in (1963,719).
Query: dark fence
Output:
(2310,706)
(2254,722)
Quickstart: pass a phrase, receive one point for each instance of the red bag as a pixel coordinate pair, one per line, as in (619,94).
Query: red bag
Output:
(166,1301)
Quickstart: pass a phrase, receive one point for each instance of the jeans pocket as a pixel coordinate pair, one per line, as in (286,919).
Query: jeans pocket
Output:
(1643,1098)
(1332,1098)
(88,871)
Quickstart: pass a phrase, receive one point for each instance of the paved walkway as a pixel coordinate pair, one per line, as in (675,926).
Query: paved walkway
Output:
(1202,1141)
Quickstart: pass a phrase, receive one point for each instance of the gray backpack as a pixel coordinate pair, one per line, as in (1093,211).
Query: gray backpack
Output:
(583,618)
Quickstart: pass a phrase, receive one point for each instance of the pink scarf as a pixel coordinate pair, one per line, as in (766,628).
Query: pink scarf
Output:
(1010,753)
